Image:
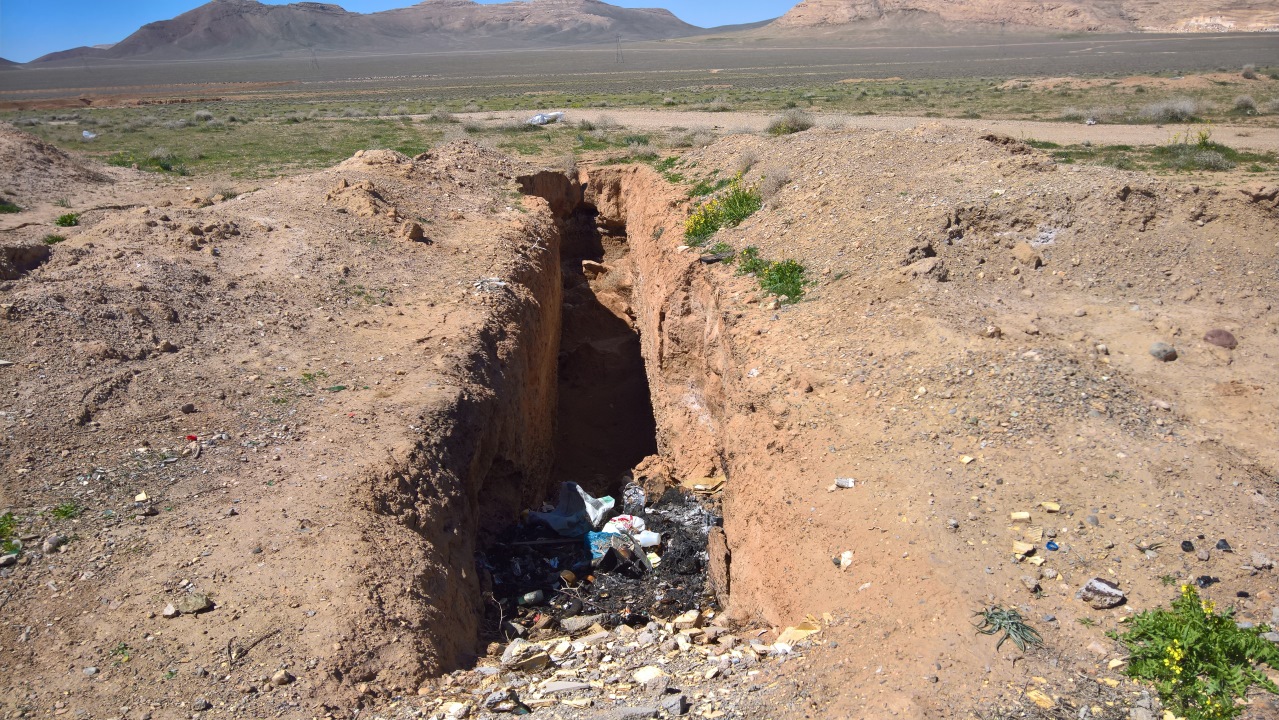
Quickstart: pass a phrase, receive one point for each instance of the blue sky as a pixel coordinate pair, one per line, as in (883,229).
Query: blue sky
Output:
(31,28)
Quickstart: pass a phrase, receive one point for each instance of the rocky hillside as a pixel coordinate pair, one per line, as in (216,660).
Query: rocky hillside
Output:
(1072,15)
(247,28)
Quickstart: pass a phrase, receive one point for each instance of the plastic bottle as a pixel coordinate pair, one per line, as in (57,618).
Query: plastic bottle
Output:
(648,539)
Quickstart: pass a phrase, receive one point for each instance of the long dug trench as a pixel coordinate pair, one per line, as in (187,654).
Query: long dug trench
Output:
(605,361)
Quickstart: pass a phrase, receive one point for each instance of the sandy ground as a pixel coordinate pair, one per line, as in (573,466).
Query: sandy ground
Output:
(1249,138)
(295,415)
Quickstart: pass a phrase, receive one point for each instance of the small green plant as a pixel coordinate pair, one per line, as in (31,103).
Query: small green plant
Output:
(67,511)
(786,279)
(63,203)
(1086,621)
(706,187)
(1168,580)
(995,620)
(68,220)
(8,524)
(722,248)
(7,207)
(54,239)
(1199,660)
(749,262)
(728,210)
(122,653)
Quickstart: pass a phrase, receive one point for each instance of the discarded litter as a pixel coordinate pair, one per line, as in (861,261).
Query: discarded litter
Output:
(1224,546)
(1052,546)
(545,118)
(574,562)
(845,483)
(576,514)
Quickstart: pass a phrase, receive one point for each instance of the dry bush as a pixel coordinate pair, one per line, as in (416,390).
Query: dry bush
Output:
(772,180)
(745,162)
(1249,72)
(1172,110)
(641,150)
(607,122)
(1245,104)
(790,122)
(1272,106)
(203,116)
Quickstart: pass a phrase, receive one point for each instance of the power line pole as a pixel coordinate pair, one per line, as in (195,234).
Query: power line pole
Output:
(620,59)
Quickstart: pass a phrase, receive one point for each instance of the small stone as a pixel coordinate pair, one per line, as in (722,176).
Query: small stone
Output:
(1092,520)
(1023,548)
(647,673)
(676,704)
(194,603)
(845,483)
(90,671)
(52,543)
(1261,562)
(1224,546)
(1026,255)
(1103,349)
(282,678)
(1187,546)
(1051,507)
(628,713)
(1031,583)
(1097,648)
(170,611)
(456,710)
(1048,574)
(952,524)
(1101,594)
(7,560)
(187,409)
(1221,338)
(1080,312)
(690,619)
(1204,555)
(993,332)
(657,686)
(231,512)
(579,623)
(1271,636)
(200,705)
(1163,352)
(1019,516)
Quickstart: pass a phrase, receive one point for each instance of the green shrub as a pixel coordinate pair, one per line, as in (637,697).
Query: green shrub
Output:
(721,248)
(68,220)
(8,525)
(8,207)
(1198,659)
(749,262)
(727,210)
(786,279)
(792,121)
(54,239)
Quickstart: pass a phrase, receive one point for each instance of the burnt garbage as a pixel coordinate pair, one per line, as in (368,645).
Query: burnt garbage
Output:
(587,562)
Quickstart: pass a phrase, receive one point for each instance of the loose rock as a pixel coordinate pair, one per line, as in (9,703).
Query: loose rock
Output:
(1101,594)
(1163,352)
(1221,338)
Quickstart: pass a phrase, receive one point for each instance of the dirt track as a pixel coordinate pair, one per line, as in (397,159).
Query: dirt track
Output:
(1248,138)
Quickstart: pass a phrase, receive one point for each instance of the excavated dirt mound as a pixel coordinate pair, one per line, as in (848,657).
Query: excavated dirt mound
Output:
(39,167)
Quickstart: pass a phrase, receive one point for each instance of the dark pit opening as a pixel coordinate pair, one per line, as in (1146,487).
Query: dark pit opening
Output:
(605,422)
(18,260)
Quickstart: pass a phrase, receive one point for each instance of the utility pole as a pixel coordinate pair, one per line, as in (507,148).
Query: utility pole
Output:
(620,59)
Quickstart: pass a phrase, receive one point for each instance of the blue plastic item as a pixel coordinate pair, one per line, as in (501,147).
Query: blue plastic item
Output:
(1052,545)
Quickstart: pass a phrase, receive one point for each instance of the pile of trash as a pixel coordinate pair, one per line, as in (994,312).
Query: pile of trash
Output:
(545,118)
(586,562)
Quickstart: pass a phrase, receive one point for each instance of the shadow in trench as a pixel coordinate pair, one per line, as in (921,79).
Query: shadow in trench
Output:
(605,418)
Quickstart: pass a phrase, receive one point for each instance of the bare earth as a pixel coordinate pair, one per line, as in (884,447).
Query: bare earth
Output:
(297,416)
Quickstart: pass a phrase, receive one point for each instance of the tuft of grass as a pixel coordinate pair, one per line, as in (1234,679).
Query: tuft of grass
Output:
(1246,105)
(996,619)
(749,261)
(68,220)
(68,511)
(727,210)
(786,279)
(722,248)
(1199,660)
(791,122)
(8,527)
(52,239)
(63,203)
(7,207)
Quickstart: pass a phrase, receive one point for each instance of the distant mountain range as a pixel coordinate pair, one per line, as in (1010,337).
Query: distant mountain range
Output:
(1069,15)
(230,29)
(246,28)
